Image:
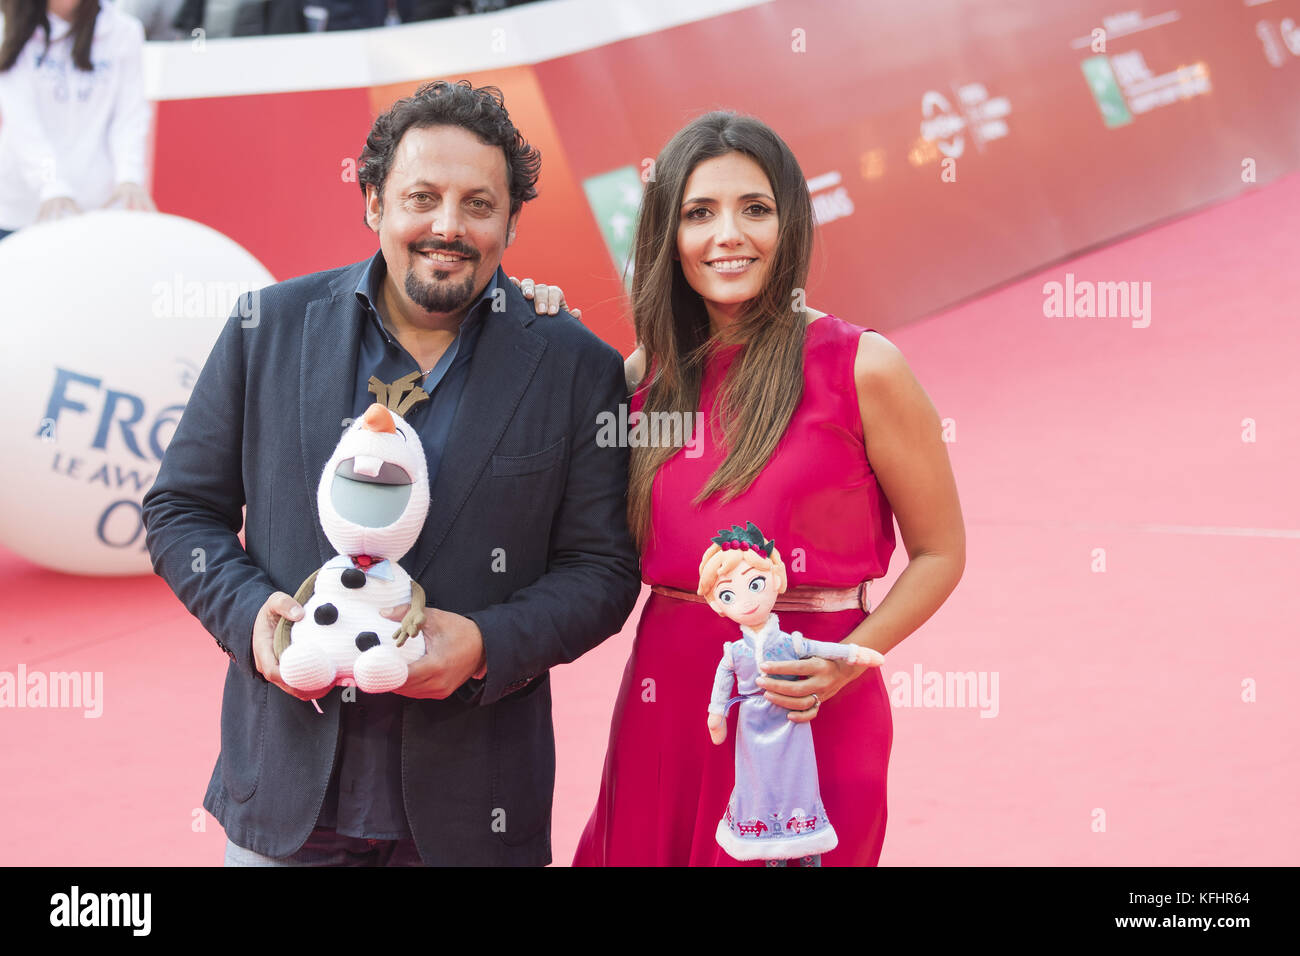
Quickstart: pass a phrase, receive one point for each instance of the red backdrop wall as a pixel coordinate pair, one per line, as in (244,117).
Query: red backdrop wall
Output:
(955,146)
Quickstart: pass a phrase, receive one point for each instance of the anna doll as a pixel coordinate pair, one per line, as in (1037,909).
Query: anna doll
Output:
(775,812)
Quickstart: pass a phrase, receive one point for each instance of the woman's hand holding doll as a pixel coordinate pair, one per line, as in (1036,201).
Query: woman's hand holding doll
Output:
(819,680)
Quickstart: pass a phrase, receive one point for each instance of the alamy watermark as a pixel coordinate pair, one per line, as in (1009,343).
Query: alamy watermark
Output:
(62,690)
(183,298)
(1084,299)
(651,430)
(76,908)
(945,689)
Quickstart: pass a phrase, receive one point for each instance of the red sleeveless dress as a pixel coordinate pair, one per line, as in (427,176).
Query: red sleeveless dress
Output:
(666,784)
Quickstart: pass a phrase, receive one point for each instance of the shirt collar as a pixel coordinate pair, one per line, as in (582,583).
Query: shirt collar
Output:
(368,291)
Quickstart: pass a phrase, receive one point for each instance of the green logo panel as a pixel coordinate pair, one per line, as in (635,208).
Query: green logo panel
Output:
(1106,91)
(615,199)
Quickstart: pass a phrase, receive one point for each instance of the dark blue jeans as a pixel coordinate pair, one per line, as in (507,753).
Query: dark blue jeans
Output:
(325,847)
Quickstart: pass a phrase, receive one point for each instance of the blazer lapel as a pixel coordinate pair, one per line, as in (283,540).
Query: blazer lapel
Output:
(505,359)
(331,339)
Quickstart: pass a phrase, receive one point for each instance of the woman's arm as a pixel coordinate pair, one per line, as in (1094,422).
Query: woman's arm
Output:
(128,130)
(907,453)
(910,460)
(35,157)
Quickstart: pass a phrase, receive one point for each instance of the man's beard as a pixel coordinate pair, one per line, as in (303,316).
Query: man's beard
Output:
(440,296)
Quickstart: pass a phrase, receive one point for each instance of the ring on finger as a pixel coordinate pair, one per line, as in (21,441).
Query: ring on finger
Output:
(817,702)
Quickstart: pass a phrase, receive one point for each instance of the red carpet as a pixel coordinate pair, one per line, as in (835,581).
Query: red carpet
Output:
(1121,735)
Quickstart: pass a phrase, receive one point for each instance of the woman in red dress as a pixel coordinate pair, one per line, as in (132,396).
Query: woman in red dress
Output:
(812,428)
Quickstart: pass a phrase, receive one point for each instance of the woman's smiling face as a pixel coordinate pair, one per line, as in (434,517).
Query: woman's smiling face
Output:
(727,232)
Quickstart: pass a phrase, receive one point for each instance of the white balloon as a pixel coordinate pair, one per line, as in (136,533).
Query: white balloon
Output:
(107,320)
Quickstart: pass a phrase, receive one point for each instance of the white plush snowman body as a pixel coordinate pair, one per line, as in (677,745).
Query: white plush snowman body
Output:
(373,498)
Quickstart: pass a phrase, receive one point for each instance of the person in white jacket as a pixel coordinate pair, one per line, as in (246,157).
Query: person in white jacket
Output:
(71,139)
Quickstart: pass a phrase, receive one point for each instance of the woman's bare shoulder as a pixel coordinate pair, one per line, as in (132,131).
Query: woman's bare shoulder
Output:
(634,368)
(877,358)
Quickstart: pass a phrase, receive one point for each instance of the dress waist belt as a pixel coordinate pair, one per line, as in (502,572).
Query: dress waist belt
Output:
(796,599)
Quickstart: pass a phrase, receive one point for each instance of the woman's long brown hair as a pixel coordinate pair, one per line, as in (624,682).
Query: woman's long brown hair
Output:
(22,17)
(765,383)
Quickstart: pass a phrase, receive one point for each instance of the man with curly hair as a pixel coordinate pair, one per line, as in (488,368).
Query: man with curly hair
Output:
(525,557)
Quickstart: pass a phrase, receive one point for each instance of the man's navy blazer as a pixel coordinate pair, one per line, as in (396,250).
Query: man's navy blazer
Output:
(526,534)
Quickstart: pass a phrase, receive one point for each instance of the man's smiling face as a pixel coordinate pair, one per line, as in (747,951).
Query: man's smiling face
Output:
(445,220)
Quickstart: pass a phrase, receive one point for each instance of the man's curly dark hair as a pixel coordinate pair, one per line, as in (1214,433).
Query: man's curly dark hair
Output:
(481,111)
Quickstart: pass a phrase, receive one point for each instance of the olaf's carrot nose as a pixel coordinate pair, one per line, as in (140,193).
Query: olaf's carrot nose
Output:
(378,419)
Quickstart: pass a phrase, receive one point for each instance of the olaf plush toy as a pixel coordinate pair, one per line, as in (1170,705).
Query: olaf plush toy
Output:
(373,498)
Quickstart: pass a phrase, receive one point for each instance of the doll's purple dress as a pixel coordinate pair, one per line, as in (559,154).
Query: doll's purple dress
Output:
(775,811)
